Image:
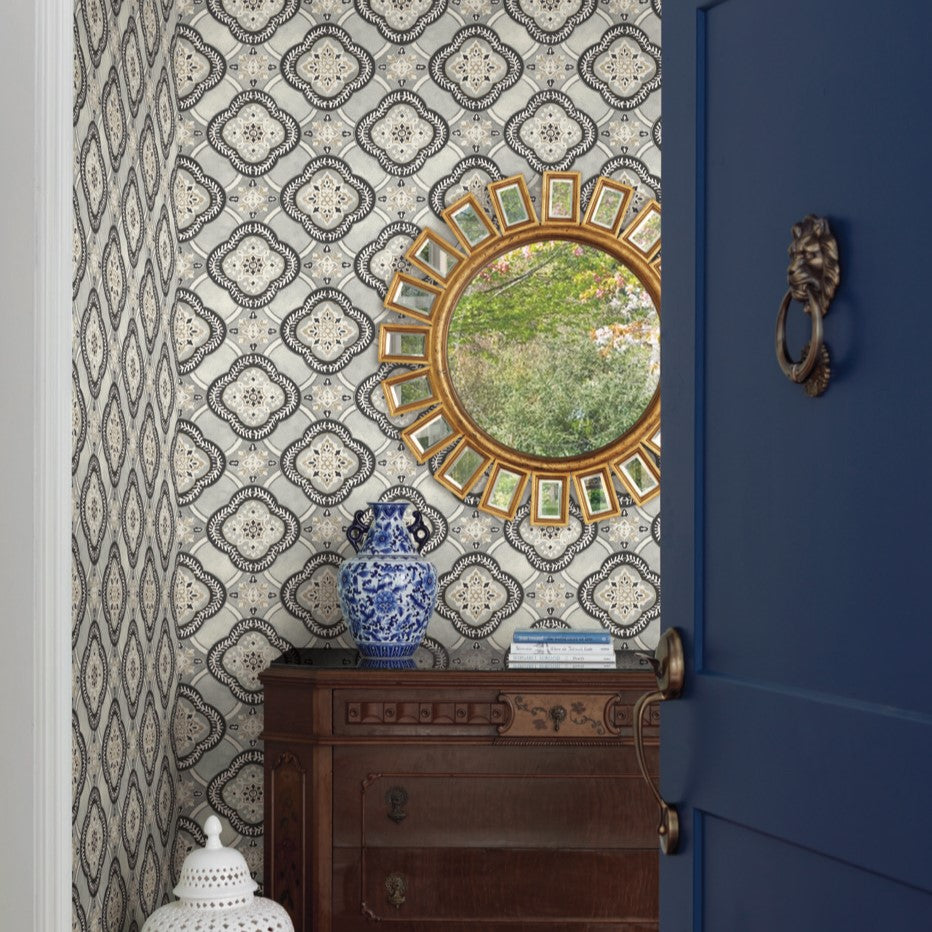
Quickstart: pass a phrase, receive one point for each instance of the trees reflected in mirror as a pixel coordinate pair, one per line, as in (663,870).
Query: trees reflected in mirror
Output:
(554,349)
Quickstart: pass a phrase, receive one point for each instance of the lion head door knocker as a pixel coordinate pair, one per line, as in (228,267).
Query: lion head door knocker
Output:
(813,277)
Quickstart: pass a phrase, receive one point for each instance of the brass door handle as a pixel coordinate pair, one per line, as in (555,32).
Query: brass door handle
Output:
(670,670)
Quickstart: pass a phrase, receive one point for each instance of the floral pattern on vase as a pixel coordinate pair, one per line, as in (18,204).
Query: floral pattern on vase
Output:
(388,591)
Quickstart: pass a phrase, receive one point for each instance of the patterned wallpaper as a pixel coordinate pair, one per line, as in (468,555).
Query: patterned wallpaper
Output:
(316,137)
(124,402)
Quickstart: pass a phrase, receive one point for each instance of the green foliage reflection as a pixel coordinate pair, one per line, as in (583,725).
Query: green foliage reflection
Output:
(554,349)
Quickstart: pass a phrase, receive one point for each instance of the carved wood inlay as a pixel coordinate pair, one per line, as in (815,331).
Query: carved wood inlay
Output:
(288,843)
(426,713)
(576,716)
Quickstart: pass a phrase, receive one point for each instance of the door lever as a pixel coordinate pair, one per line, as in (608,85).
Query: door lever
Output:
(650,658)
(669,668)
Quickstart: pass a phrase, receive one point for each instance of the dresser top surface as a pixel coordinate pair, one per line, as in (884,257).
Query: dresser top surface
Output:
(341,667)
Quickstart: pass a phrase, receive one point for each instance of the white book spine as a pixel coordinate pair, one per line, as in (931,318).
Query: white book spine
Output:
(545,648)
(571,659)
(560,665)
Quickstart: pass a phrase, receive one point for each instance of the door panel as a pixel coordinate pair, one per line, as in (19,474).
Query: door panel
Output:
(795,546)
(810,891)
(809,113)
(815,772)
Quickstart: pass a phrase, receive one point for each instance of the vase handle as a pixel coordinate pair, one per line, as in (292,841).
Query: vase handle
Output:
(358,529)
(419,530)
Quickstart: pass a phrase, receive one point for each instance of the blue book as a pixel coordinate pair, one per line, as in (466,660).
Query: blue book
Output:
(560,636)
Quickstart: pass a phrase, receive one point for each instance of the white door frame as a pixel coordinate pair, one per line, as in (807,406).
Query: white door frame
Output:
(35,491)
(54,352)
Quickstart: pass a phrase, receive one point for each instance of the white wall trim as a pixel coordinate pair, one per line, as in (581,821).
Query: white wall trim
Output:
(52,407)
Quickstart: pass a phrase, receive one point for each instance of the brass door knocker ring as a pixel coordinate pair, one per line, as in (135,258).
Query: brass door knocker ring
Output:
(815,349)
(813,277)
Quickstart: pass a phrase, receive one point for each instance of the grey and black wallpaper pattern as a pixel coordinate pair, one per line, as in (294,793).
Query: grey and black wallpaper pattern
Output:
(315,139)
(124,544)
(249,212)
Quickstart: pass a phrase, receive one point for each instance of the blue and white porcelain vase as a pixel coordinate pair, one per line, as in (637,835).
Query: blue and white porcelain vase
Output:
(387,590)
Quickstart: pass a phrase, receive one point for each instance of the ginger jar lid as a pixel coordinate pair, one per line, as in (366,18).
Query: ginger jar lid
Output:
(215,877)
(216,894)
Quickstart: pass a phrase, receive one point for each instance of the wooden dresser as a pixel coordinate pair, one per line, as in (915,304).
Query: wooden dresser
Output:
(427,801)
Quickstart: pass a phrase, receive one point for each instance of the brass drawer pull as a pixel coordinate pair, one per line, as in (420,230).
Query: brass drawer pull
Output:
(396,798)
(396,888)
(557,715)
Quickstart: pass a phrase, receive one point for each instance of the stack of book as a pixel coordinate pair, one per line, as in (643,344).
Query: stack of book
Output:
(539,648)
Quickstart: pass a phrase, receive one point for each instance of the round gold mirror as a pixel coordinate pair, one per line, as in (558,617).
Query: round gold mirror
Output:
(536,349)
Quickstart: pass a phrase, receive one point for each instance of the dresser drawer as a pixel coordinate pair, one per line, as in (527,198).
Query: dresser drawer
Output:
(513,811)
(516,796)
(421,888)
(567,715)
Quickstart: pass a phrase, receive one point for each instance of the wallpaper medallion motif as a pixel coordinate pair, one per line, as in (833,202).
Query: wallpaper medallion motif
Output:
(124,641)
(316,139)
(327,67)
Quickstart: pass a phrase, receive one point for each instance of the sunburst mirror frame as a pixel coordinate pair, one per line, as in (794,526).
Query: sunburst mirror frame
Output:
(633,458)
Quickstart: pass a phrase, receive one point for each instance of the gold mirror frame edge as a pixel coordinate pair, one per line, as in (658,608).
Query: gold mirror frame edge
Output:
(646,268)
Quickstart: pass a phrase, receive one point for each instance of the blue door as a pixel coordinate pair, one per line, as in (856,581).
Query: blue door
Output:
(796,557)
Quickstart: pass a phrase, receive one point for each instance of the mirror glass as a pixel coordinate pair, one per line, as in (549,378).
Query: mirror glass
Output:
(553,348)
